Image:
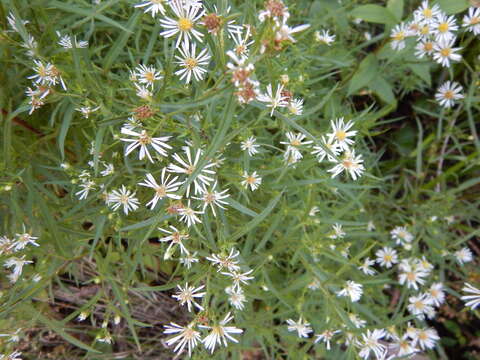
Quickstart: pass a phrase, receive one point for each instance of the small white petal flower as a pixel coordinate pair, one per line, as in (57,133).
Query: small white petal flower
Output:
(228,262)
(463,255)
(185,336)
(302,327)
(350,163)
(144,141)
(471,22)
(371,343)
(188,294)
(444,52)
(147,75)
(188,215)
(175,237)
(213,198)
(238,277)
(273,101)
(123,197)
(165,190)
(220,333)
(324,37)
(326,336)
(236,297)
(184,24)
(351,289)
(448,93)
(472,300)
(387,257)
(250,146)
(153,6)
(252,180)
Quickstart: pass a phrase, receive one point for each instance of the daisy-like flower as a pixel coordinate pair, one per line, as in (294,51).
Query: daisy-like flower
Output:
(22,240)
(252,180)
(302,327)
(340,133)
(326,336)
(295,141)
(426,338)
(184,25)
(153,6)
(371,343)
(188,215)
(147,75)
(17,264)
(365,267)
(357,322)
(6,245)
(273,101)
(85,187)
(463,255)
(295,106)
(274,9)
(175,237)
(31,45)
(471,22)
(188,294)
(144,140)
(448,93)
(87,110)
(436,294)
(191,63)
(143,92)
(186,336)
(189,259)
(164,190)
(236,297)
(240,68)
(424,47)
(65,41)
(239,278)
(228,262)
(402,346)
(242,41)
(398,35)
(338,232)
(43,74)
(386,257)
(188,166)
(423,264)
(123,197)
(285,32)
(13,337)
(427,14)
(250,146)
(350,163)
(213,198)
(352,289)
(411,275)
(109,169)
(220,333)
(444,52)
(444,27)
(324,37)
(420,306)
(472,300)
(400,234)
(330,144)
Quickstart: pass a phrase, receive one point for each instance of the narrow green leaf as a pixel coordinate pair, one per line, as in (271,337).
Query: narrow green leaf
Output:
(67,119)
(365,73)
(453,6)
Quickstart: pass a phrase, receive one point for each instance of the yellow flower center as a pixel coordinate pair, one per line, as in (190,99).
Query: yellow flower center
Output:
(185,24)
(124,199)
(428,13)
(387,258)
(295,142)
(250,180)
(443,27)
(161,191)
(419,305)
(411,276)
(448,94)
(428,46)
(190,63)
(341,135)
(399,36)
(190,170)
(475,20)
(150,76)
(425,30)
(347,163)
(144,138)
(446,52)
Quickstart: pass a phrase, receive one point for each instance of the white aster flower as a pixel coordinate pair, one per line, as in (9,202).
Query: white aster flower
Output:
(147,75)
(472,300)
(398,35)
(24,239)
(411,274)
(123,197)
(326,336)
(153,6)
(365,267)
(351,289)
(213,198)
(371,343)
(87,110)
(302,327)
(340,133)
(444,52)
(65,41)
(188,215)
(285,32)
(330,144)
(463,255)
(144,140)
(471,22)
(424,47)
(252,180)
(426,338)
(175,237)
(236,297)
(420,306)
(109,169)
(350,163)
(165,190)
(436,294)
(448,93)
(273,101)
(338,232)
(183,25)
(324,37)
(228,262)
(402,347)
(295,141)
(239,278)
(188,259)
(242,41)
(220,333)
(386,257)
(17,264)
(250,146)
(143,92)
(85,187)
(188,166)
(359,323)
(426,13)
(188,294)
(400,234)
(444,27)
(295,106)
(191,63)
(185,336)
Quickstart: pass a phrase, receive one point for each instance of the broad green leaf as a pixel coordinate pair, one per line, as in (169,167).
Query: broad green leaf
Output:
(422,71)
(396,8)
(365,73)
(453,6)
(374,13)
(383,89)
